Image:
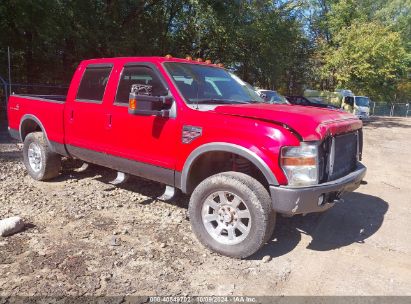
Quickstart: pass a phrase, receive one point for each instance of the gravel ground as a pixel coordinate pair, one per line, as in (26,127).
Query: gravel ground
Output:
(87,237)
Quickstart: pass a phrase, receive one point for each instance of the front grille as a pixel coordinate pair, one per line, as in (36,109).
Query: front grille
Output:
(343,155)
(338,155)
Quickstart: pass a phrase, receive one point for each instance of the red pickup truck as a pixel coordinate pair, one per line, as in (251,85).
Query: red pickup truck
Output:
(196,127)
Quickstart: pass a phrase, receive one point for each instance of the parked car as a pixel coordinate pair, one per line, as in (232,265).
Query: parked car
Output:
(358,105)
(312,102)
(249,89)
(192,126)
(272,97)
(344,99)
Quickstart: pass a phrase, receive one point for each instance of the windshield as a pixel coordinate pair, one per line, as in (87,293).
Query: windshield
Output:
(362,101)
(251,91)
(206,84)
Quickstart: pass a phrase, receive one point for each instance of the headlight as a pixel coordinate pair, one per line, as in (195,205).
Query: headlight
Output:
(300,164)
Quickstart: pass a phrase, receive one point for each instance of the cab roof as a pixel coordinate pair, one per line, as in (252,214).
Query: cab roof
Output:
(152,59)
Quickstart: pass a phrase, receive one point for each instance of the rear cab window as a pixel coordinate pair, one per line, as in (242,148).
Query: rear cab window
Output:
(93,83)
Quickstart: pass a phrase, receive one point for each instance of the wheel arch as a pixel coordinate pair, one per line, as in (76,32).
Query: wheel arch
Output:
(30,123)
(235,149)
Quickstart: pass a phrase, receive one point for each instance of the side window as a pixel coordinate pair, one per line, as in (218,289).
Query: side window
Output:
(143,79)
(301,101)
(349,100)
(93,83)
(298,101)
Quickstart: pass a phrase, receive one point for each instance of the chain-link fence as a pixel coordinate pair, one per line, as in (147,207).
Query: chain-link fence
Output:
(390,109)
(3,110)
(3,97)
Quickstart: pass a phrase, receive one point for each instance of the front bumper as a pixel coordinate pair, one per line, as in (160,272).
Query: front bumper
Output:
(305,200)
(362,115)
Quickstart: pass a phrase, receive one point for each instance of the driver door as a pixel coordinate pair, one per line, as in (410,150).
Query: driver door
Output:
(149,141)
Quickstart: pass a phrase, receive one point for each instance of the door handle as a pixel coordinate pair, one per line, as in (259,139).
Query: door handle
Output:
(109,120)
(71,115)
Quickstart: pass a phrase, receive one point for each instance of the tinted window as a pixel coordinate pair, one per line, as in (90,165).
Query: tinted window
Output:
(144,80)
(300,101)
(93,83)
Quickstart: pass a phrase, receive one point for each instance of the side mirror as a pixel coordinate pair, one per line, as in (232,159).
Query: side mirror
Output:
(149,105)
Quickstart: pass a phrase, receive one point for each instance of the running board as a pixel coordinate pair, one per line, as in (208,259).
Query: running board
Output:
(168,194)
(83,168)
(121,178)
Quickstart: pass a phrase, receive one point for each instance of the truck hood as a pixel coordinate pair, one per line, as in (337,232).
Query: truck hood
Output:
(311,124)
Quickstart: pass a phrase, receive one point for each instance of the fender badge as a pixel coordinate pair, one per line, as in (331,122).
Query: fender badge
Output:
(190,133)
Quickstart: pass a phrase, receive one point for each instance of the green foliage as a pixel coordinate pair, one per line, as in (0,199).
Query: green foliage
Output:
(403,90)
(363,46)
(262,40)
(284,45)
(368,58)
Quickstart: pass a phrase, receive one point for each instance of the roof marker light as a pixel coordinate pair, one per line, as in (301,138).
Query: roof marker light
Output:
(189,58)
(168,56)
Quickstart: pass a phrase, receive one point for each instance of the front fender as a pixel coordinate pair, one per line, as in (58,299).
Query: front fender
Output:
(224,147)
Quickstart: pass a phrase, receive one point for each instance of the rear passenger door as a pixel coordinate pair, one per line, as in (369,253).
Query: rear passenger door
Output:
(85,116)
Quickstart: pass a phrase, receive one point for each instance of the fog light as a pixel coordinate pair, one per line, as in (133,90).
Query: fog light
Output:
(321,200)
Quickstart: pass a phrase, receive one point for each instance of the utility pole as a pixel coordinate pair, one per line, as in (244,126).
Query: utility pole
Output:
(9,63)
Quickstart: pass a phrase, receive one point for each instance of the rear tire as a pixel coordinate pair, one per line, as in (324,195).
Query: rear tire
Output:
(231,213)
(41,163)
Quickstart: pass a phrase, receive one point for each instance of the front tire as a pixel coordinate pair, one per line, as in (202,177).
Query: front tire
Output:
(231,213)
(41,163)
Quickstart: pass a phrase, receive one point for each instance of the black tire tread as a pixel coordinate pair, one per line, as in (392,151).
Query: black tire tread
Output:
(259,188)
(51,162)
(261,203)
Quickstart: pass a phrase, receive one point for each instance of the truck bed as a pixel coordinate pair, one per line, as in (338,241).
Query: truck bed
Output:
(46,110)
(59,98)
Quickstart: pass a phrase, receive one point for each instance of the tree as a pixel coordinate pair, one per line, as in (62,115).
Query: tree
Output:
(367,58)
(282,44)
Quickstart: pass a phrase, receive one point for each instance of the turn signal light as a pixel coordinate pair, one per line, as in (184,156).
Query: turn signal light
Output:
(132,104)
(298,161)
